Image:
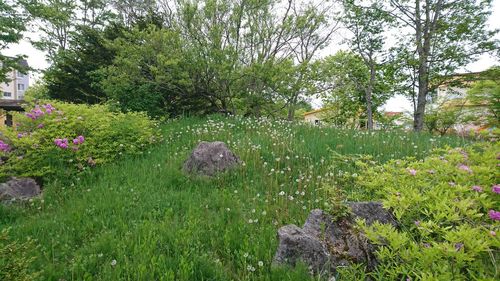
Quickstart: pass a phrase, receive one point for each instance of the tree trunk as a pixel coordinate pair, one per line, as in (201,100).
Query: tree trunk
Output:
(418,116)
(368,97)
(291,111)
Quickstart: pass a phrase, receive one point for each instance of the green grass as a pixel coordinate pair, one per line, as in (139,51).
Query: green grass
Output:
(159,224)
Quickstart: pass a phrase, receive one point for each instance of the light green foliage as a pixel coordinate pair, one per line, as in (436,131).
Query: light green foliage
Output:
(442,118)
(161,224)
(348,77)
(57,21)
(35,92)
(443,205)
(485,94)
(14,259)
(107,135)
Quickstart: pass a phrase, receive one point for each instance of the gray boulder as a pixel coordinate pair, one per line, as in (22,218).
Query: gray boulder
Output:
(324,244)
(19,189)
(209,158)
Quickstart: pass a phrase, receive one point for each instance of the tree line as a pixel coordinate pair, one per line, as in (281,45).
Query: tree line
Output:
(249,57)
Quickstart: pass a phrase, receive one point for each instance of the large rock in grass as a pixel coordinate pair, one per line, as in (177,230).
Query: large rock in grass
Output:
(209,158)
(324,244)
(19,189)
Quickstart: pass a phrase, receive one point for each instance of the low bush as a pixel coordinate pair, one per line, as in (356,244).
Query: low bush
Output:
(60,139)
(449,209)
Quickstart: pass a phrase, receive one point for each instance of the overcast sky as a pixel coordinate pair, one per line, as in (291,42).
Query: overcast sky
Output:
(36,59)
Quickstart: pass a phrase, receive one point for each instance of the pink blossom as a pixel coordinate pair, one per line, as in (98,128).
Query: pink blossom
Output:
(466,168)
(37,112)
(412,172)
(79,140)
(417,223)
(62,143)
(494,215)
(493,233)
(4,147)
(496,188)
(48,108)
(477,188)
(40,126)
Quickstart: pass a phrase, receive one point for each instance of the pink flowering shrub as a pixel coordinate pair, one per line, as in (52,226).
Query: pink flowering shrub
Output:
(59,138)
(450,218)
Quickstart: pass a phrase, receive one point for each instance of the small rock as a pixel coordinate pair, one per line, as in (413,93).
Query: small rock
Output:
(209,158)
(19,189)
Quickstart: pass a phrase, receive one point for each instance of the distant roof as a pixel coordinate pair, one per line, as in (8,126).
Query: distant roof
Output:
(22,62)
(392,113)
(461,78)
(16,105)
(315,111)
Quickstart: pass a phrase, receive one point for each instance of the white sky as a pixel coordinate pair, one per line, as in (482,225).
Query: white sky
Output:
(36,59)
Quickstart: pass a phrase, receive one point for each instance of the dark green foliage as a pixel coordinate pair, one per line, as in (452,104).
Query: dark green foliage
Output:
(72,76)
(150,73)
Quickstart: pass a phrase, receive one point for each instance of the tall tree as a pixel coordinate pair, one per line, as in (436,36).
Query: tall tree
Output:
(367,22)
(314,30)
(72,75)
(56,21)
(150,73)
(12,25)
(129,11)
(349,76)
(235,46)
(445,35)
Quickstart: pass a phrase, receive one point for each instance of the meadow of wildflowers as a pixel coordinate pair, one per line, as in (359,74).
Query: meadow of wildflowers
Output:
(142,219)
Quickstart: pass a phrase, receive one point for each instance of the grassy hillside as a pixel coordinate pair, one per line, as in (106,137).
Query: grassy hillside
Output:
(143,219)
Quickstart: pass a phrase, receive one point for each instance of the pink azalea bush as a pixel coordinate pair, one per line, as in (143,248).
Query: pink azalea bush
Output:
(60,138)
(449,219)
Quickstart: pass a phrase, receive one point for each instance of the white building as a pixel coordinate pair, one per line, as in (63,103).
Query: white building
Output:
(17,85)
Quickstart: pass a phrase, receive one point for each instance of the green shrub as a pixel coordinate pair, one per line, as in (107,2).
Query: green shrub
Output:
(446,205)
(60,138)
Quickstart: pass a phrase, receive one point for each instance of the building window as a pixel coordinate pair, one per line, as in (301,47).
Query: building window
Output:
(19,74)
(20,87)
(7,94)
